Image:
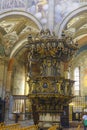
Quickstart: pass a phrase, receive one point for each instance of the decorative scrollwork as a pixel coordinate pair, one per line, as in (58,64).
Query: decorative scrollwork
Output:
(9,41)
(46,44)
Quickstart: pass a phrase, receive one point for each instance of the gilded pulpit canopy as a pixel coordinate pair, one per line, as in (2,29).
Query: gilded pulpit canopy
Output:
(50,89)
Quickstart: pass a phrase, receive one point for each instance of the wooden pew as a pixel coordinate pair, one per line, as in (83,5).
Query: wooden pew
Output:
(54,127)
(32,127)
(11,127)
(78,127)
(18,127)
(2,124)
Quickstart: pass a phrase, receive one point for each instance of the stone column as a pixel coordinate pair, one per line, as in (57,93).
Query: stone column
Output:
(8,88)
(51,12)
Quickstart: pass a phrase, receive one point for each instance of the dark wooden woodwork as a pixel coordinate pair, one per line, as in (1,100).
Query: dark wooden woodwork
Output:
(2,110)
(65,117)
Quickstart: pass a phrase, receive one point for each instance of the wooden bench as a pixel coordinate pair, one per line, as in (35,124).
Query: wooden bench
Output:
(32,127)
(78,127)
(11,127)
(54,127)
(2,124)
(18,127)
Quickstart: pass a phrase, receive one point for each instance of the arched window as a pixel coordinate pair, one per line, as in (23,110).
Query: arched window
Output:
(76,78)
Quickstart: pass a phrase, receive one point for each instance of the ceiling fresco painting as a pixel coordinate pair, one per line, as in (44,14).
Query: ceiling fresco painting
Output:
(63,7)
(39,8)
(12,4)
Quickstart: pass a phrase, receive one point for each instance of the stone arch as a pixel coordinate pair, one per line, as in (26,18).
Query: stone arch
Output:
(11,60)
(18,47)
(60,27)
(25,14)
(22,13)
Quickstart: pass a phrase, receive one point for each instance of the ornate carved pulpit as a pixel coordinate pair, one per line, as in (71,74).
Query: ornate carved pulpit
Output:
(49,90)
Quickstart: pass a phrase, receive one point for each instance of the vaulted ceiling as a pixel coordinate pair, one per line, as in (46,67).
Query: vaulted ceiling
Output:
(14,29)
(78,26)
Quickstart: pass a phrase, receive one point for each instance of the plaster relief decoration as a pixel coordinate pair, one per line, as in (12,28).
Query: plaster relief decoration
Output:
(8,25)
(70,32)
(9,41)
(28,29)
(10,4)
